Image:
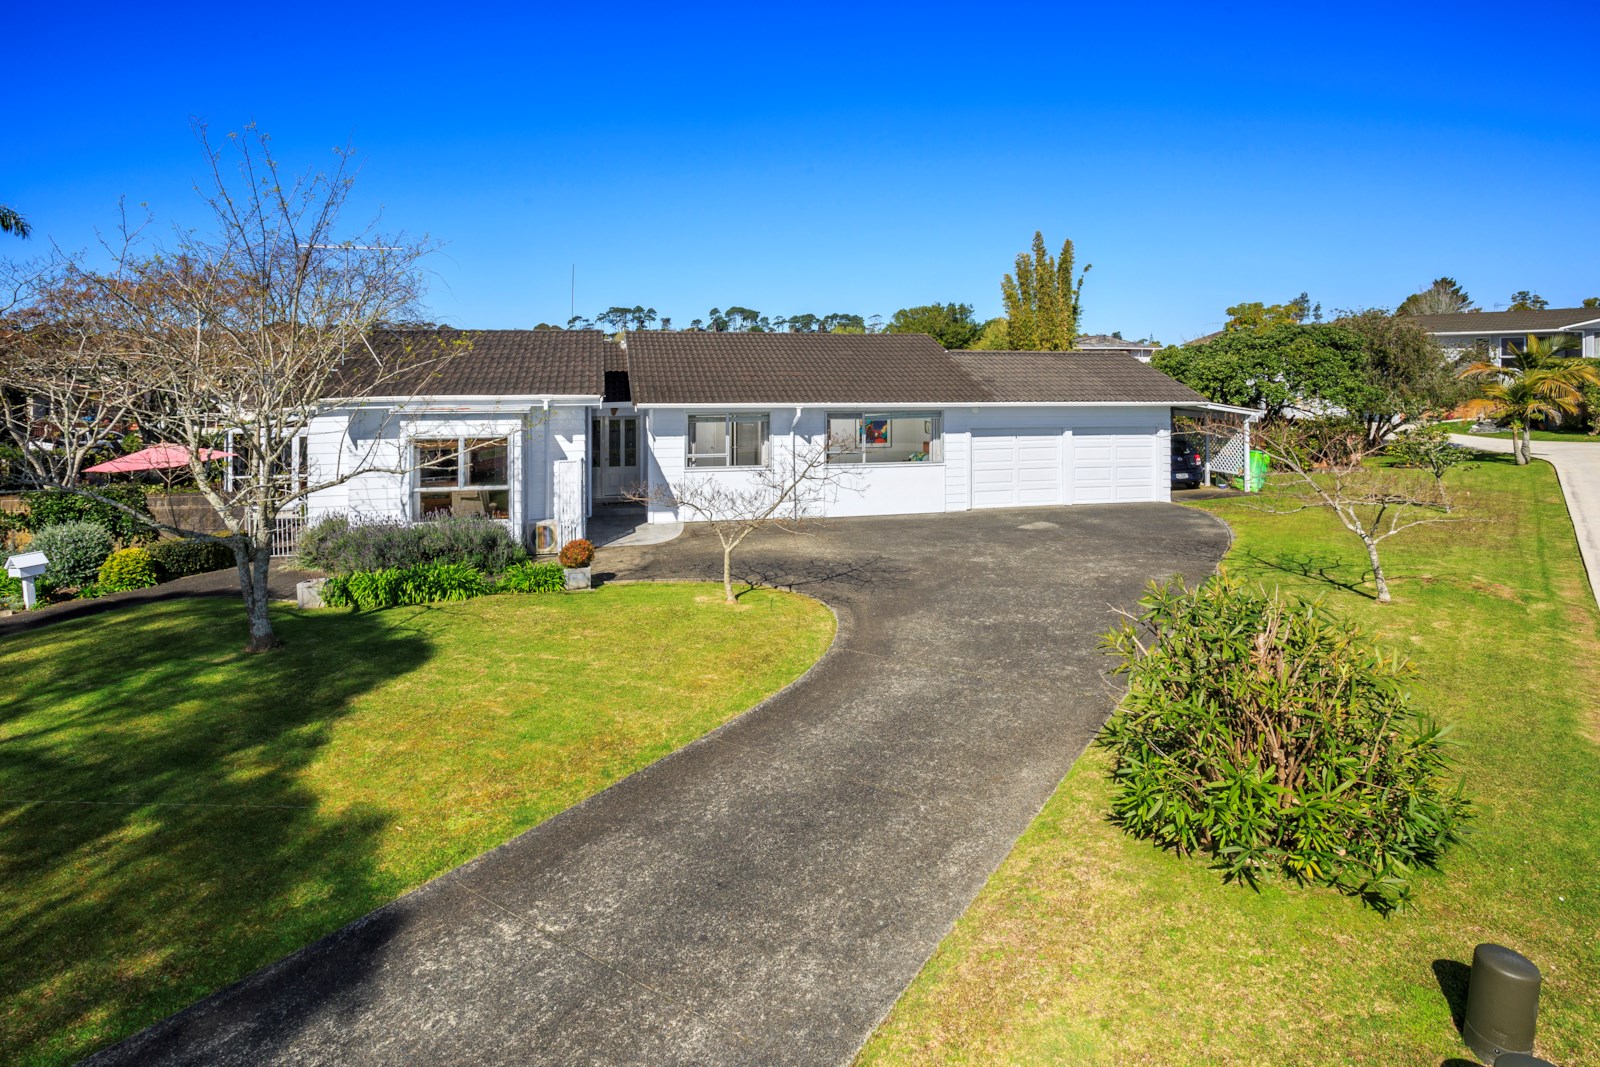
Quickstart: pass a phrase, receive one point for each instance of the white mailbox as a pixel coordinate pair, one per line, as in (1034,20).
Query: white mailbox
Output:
(27,566)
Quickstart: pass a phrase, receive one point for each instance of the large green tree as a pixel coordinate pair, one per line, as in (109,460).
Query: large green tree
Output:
(1283,366)
(1444,297)
(1043,299)
(1523,300)
(951,325)
(1407,373)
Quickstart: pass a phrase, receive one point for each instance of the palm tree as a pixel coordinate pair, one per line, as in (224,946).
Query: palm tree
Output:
(11,221)
(1537,385)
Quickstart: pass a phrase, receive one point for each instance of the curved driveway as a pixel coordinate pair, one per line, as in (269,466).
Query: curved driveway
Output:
(763,895)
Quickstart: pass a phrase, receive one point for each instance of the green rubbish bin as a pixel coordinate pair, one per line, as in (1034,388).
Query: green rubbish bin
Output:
(1254,478)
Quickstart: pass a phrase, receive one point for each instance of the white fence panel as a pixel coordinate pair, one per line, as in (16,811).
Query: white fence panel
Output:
(1230,457)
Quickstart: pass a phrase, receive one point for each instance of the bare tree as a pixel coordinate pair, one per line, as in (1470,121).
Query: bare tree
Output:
(1326,463)
(66,395)
(238,337)
(790,489)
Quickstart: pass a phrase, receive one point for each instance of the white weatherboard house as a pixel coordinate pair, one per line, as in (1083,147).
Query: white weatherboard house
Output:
(538,428)
(1504,333)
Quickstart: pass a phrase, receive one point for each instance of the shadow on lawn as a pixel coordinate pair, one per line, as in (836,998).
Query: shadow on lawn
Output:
(1452,976)
(1328,569)
(157,840)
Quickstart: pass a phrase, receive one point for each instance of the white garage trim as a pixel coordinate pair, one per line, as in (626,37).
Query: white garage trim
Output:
(1113,465)
(1017,466)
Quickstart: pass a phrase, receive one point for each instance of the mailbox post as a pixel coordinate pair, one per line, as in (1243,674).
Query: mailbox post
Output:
(27,566)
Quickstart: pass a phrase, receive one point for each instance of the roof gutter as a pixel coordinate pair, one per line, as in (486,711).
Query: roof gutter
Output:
(923,405)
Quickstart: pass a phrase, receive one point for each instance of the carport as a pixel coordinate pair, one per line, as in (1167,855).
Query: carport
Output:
(1224,431)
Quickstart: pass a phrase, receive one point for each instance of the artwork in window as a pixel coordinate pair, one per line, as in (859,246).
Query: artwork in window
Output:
(914,437)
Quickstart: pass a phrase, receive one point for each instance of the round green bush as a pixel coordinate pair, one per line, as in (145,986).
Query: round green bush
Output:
(75,551)
(131,568)
(1266,732)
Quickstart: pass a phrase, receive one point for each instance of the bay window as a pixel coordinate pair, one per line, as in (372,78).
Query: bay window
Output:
(886,437)
(729,440)
(462,476)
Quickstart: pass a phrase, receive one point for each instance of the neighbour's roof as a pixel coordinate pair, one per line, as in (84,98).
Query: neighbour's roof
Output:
(448,362)
(692,367)
(1487,322)
(1072,378)
(1105,340)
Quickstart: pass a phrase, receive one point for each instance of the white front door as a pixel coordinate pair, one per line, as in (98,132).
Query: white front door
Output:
(1113,466)
(614,446)
(1015,468)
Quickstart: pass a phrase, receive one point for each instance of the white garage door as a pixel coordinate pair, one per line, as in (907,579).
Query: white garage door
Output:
(1012,468)
(1113,466)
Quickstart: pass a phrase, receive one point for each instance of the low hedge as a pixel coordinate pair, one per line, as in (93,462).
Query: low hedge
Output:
(338,546)
(190,555)
(533,578)
(388,587)
(54,507)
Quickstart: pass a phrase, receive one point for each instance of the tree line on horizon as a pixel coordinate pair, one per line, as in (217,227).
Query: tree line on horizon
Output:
(1042,299)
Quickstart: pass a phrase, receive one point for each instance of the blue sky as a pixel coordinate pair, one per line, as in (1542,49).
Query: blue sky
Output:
(860,159)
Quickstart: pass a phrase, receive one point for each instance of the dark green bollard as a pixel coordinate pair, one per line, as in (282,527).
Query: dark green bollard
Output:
(1502,1003)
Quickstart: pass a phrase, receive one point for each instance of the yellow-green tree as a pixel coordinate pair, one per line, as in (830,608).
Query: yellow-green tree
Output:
(1043,299)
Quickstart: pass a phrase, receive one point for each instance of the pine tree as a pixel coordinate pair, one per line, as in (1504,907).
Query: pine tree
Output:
(1043,300)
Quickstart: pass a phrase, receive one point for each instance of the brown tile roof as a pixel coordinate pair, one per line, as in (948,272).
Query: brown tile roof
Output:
(1072,378)
(795,368)
(485,363)
(1488,322)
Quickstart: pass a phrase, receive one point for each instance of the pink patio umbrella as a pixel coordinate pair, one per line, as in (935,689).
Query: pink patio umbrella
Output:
(156,457)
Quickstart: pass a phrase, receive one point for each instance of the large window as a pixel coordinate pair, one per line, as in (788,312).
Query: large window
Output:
(728,440)
(887,437)
(462,476)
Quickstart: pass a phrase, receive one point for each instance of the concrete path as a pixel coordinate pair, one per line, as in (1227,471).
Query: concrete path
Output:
(763,895)
(1577,465)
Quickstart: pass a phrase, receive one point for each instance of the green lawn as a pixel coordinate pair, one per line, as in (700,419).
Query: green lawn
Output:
(175,814)
(1089,947)
(1464,426)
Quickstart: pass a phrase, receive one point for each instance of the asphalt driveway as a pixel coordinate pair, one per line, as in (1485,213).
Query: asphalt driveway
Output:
(763,895)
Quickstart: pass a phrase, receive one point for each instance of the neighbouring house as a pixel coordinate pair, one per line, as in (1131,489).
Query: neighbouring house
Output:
(538,428)
(1498,331)
(1141,350)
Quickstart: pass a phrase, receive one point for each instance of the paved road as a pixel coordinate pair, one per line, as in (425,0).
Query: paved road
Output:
(1577,465)
(763,895)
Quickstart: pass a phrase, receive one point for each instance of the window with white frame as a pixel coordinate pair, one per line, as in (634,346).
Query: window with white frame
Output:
(733,440)
(461,476)
(886,437)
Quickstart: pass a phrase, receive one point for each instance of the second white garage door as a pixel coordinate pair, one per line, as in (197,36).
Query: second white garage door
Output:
(1013,468)
(1113,466)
